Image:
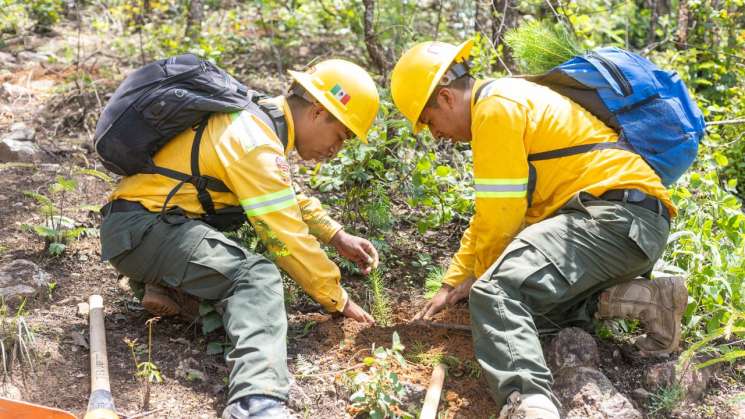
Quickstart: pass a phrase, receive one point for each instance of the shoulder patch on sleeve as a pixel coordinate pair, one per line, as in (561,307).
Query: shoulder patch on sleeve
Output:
(284,169)
(249,132)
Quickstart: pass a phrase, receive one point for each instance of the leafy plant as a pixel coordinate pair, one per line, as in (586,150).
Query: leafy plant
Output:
(148,371)
(728,351)
(57,229)
(378,391)
(708,246)
(44,13)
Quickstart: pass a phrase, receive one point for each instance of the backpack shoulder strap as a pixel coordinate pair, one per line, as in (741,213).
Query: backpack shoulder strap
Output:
(484,90)
(579,149)
(201,183)
(271,115)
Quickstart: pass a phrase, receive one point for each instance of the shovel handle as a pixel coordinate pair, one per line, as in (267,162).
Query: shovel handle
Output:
(100,402)
(432,399)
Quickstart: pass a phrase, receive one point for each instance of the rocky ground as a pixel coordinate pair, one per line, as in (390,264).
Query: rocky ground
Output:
(45,132)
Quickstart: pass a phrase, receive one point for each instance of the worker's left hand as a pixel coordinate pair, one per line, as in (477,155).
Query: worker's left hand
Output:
(356,249)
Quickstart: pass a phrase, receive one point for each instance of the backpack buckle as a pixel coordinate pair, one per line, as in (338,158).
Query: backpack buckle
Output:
(199,182)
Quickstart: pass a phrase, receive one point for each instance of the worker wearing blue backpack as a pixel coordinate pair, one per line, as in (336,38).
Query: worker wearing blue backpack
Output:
(571,207)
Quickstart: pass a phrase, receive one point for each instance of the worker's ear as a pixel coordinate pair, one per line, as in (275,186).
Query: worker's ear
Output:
(446,98)
(317,111)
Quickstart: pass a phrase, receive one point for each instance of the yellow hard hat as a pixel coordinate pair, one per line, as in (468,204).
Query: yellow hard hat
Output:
(344,89)
(418,72)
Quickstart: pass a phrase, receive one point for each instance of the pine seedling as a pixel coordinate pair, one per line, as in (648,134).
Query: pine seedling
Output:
(539,46)
(380,304)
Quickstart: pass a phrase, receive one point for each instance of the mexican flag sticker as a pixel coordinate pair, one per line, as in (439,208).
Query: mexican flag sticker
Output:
(340,94)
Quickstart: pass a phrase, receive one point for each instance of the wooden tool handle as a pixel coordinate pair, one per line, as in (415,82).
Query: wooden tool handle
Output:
(100,403)
(432,399)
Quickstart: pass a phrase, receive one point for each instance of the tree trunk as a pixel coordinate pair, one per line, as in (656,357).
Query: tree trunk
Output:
(374,49)
(681,37)
(194,20)
(651,35)
(503,19)
(476,13)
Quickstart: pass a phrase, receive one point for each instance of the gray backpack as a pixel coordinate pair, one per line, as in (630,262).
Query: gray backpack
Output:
(159,101)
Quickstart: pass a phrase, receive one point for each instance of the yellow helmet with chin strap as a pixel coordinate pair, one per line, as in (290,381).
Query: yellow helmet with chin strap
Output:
(418,72)
(345,90)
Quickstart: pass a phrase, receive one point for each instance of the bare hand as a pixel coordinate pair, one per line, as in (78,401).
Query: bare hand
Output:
(445,296)
(353,311)
(356,249)
(461,291)
(433,306)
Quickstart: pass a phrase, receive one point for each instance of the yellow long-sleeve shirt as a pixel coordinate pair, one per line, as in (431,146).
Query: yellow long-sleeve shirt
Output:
(244,153)
(511,119)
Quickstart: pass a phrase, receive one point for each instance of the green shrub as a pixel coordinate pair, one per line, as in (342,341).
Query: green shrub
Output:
(44,13)
(378,392)
(707,245)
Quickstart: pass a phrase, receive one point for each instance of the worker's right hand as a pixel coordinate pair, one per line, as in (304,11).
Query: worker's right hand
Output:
(433,306)
(446,295)
(353,311)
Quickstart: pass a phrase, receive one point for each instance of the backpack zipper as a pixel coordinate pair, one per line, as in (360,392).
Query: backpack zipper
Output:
(616,72)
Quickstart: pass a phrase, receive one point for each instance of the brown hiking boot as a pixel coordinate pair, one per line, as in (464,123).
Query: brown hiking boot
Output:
(528,406)
(658,304)
(165,302)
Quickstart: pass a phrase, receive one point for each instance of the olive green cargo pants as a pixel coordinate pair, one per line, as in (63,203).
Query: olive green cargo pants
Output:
(549,277)
(194,257)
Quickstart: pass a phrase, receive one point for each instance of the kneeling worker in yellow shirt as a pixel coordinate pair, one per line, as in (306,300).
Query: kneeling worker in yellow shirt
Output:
(552,242)
(178,256)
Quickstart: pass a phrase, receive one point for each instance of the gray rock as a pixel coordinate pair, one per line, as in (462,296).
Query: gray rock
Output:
(20,132)
(693,381)
(7,58)
(641,396)
(18,144)
(19,151)
(14,90)
(10,391)
(414,396)
(30,56)
(587,393)
(738,407)
(22,277)
(83,310)
(572,347)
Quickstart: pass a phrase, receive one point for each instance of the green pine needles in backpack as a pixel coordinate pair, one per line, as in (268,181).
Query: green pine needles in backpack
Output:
(539,46)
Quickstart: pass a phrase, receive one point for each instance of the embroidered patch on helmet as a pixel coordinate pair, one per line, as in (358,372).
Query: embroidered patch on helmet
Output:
(340,94)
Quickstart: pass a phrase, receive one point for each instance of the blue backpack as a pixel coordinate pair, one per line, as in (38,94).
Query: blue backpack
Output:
(650,108)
